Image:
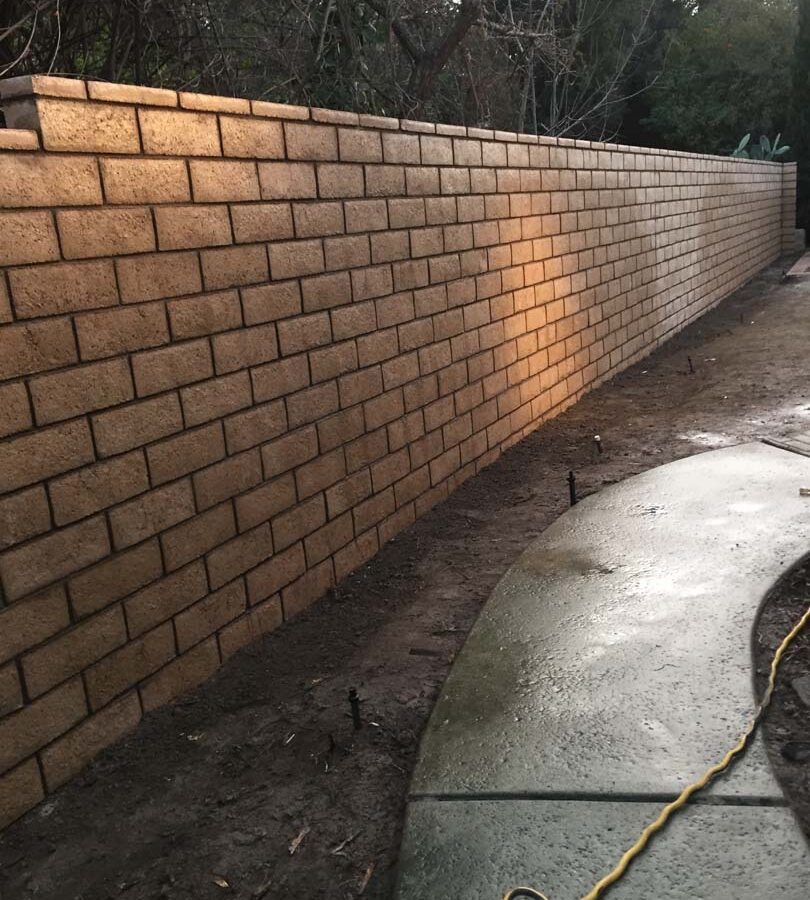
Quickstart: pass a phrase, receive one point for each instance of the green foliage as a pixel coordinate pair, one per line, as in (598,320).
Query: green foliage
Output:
(763,149)
(740,150)
(728,73)
(669,17)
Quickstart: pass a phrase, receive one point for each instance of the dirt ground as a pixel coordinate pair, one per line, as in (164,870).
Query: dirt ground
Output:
(787,722)
(205,800)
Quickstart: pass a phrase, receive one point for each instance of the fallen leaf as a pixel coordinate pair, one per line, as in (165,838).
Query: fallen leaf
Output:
(298,840)
(220,882)
(366,878)
(345,843)
(262,889)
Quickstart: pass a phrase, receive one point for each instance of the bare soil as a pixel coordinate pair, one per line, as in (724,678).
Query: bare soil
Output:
(787,721)
(206,798)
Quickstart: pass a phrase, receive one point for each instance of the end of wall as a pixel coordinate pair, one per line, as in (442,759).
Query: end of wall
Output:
(791,241)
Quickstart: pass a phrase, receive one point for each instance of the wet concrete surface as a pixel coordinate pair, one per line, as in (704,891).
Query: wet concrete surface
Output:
(479,849)
(613,663)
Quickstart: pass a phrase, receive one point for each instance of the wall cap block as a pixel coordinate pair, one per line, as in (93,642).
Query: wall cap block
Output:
(269,110)
(42,86)
(131,93)
(18,139)
(211,103)
(335,116)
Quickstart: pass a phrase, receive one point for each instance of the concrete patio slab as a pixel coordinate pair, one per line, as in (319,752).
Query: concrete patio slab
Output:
(611,667)
(801,266)
(476,850)
(797,442)
(614,656)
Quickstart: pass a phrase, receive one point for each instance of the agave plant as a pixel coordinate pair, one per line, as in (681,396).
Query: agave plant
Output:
(762,150)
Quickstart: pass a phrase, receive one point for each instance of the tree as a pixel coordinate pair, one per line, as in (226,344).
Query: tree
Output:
(546,66)
(427,61)
(583,87)
(800,123)
(668,19)
(728,73)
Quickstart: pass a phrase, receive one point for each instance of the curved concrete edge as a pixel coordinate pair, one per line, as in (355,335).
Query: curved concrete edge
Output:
(611,667)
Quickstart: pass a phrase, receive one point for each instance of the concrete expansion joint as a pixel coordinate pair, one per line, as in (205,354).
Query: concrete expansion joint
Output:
(586,797)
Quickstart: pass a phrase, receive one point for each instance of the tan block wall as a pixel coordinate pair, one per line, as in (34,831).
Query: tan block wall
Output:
(245,344)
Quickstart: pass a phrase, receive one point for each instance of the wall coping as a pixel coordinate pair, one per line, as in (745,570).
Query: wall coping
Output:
(48,86)
(18,139)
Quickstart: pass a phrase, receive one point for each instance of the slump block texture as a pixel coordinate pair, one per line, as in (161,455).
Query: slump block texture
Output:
(244,344)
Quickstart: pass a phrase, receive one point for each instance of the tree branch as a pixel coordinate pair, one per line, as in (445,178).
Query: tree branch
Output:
(400,31)
(430,66)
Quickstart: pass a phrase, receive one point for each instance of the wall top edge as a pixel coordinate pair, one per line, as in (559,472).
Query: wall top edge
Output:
(18,139)
(64,88)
